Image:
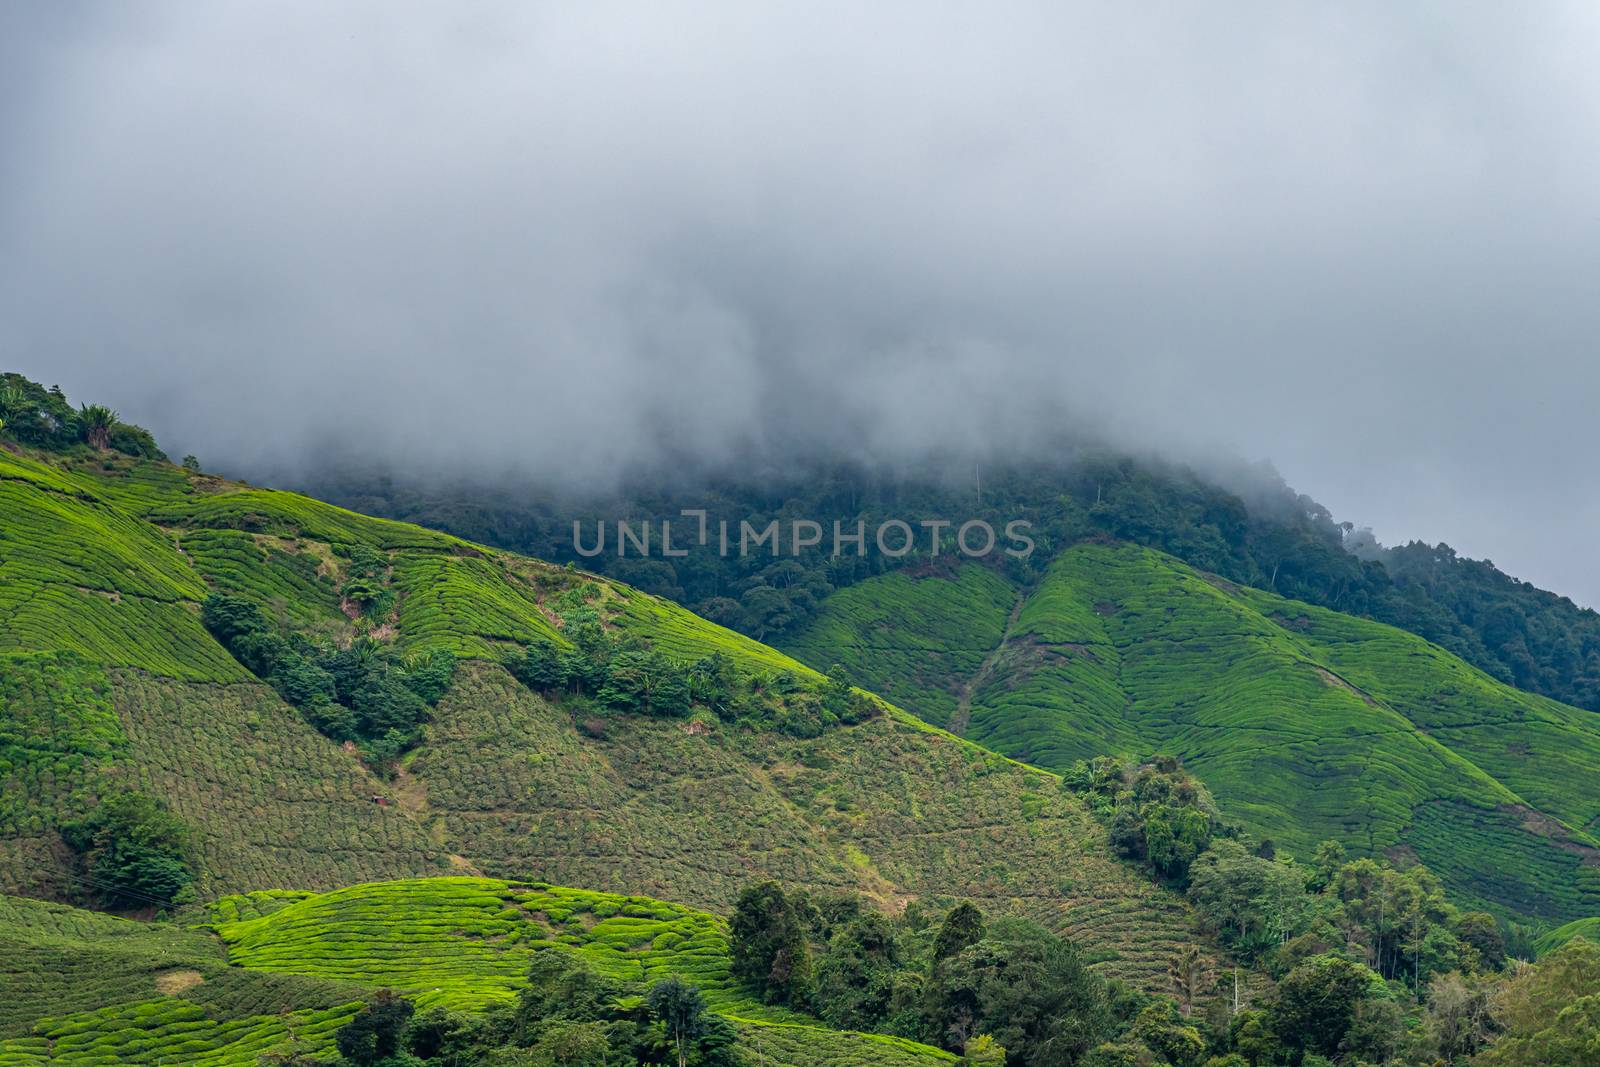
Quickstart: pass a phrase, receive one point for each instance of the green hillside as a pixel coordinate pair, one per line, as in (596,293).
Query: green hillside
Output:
(465,943)
(1554,939)
(1307,724)
(112,682)
(341,755)
(85,988)
(279,970)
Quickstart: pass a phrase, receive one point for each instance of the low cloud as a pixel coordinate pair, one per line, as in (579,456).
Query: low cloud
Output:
(571,241)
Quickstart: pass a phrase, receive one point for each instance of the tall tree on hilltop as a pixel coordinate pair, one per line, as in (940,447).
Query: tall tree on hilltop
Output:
(95,423)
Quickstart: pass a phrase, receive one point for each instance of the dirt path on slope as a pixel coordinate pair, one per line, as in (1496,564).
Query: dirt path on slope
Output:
(963,713)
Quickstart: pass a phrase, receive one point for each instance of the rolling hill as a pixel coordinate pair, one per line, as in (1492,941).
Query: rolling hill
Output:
(1307,724)
(113,681)
(327,869)
(277,970)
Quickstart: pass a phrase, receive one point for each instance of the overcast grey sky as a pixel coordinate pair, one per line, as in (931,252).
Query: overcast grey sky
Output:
(1361,240)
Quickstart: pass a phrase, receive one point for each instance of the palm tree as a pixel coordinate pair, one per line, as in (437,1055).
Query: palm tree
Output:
(95,422)
(1189,975)
(12,404)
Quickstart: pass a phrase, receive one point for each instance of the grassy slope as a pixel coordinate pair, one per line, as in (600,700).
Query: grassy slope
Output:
(888,809)
(122,992)
(921,634)
(1588,929)
(505,785)
(83,988)
(1306,723)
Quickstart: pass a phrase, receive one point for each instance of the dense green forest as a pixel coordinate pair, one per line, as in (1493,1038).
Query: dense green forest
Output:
(1260,534)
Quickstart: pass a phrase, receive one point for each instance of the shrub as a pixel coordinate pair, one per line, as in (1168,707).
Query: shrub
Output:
(135,851)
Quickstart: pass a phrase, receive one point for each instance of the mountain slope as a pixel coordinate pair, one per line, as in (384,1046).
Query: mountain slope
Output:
(285,969)
(1240,522)
(124,687)
(1307,724)
(85,988)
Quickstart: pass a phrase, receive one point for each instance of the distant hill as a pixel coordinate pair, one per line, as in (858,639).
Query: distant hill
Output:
(1306,723)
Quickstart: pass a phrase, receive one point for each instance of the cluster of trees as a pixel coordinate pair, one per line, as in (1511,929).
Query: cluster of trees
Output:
(1159,815)
(604,672)
(1006,991)
(364,693)
(1245,525)
(1002,994)
(568,1015)
(1343,990)
(1266,907)
(1512,629)
(133,853)
(41,418)
(1368,964)
(366,583)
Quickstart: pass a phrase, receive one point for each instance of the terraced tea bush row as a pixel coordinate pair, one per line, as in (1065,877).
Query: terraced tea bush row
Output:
(65,539)
(1547,753)
(466,943)
(82,987)
(78,575)
(56,960)
(1512,870)
(134,484)
(267,572)
(269,511)
(270,802)
(162,638)
(1585,928)
(58,729)
(59,737)
(679,633)
(885,809)
(462,943)
(236,907)
(795,1045)
(170,1030)
(468,606)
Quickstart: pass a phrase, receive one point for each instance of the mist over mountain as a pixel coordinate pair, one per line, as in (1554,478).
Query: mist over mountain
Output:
(580,244)
(799,534)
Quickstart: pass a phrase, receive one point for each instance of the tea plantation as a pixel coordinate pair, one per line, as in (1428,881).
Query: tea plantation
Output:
(87,988)
(321,873)
(1307,724)
(280,970)
(117,685)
